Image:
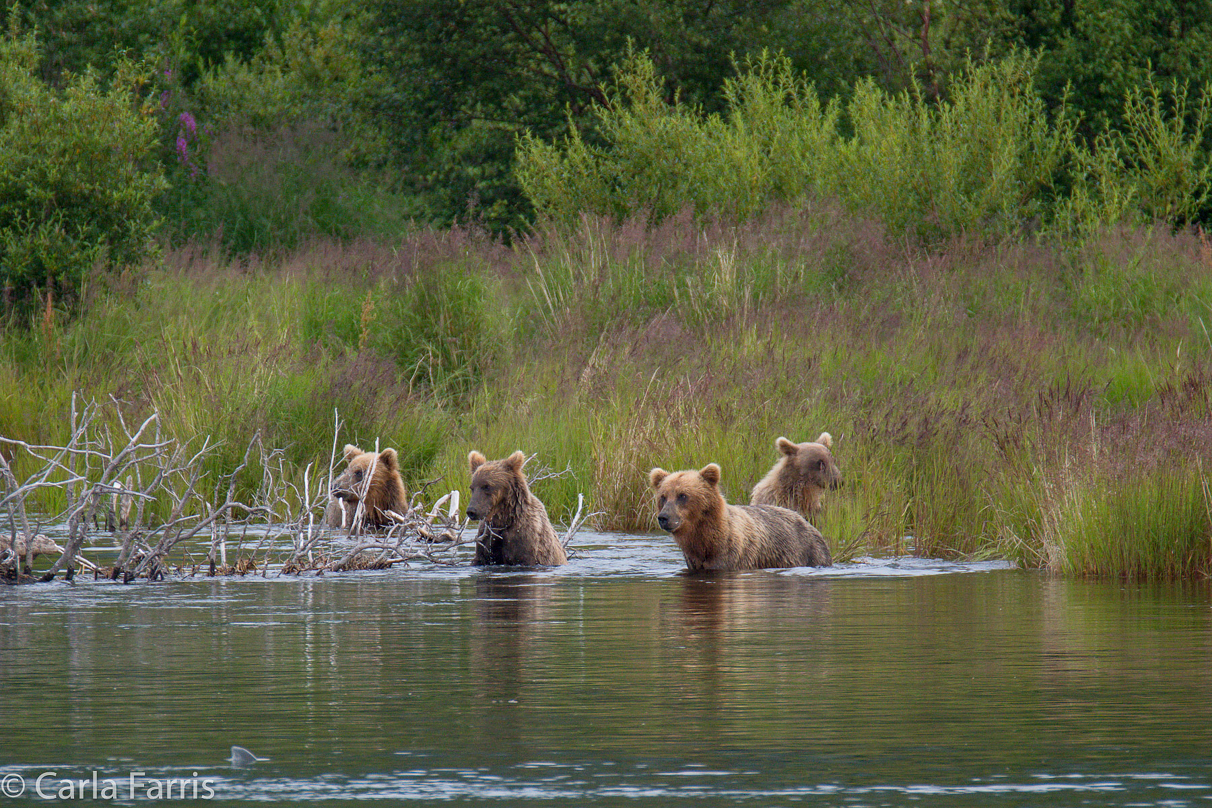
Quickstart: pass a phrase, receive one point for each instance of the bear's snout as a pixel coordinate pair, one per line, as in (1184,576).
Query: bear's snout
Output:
(669,522)
(472,513)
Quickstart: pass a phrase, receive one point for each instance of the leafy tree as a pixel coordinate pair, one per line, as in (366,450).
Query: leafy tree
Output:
(463,78)
(186,35)
(1106,50)
(77,175)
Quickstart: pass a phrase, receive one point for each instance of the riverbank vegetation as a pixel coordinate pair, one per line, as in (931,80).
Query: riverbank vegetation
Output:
(616,252)
(1043,403)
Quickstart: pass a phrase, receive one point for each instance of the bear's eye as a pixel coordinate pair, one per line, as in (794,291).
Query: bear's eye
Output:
(484,488)
(682,499)
(357,475)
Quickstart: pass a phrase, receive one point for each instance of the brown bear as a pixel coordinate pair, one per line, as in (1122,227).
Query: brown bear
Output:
(714,535)
(514,528)
(800,477)
(41,546)
(379,494)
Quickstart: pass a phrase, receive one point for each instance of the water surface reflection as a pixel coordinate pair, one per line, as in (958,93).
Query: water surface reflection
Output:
(621,680)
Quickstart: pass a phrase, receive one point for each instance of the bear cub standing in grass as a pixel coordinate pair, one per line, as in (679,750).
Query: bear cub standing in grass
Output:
(514,528)
(714,535)
(800,477)
(381,493)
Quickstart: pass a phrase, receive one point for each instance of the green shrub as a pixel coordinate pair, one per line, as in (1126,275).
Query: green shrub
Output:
(1156,168)
(77,175)
(989,158)
(979,161)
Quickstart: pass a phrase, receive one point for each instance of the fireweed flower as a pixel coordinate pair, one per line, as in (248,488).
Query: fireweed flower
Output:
(187,129)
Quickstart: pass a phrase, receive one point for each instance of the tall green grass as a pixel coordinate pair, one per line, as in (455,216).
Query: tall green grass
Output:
(1149,525)
(1045,403)
(273,191)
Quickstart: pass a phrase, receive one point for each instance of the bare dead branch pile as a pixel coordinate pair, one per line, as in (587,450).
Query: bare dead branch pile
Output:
(128,488)
(149,497)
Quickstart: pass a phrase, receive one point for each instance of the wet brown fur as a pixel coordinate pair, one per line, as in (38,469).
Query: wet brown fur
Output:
(42,546)
(385,492)
(714,535)
(514,528)
(801,476)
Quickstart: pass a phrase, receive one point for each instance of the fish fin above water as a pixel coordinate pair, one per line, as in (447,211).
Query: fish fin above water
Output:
(242,757)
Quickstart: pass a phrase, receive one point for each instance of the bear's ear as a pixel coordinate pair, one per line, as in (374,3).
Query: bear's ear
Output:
(825,440)
(711,473)
(657,476)
(786,447)
(475,459)
(516,460)
(388,459)
(350,452)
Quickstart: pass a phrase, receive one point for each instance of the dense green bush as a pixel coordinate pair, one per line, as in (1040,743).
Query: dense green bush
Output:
(282,155)
(462,78)
(988,159)
(77,175)
(977,161)
(1154,167)
(433,94)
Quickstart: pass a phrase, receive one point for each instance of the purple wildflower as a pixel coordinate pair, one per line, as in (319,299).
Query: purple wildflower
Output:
(188,122)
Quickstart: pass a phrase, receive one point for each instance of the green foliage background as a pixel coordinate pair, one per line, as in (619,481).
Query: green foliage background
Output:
(418,107)
(967,237)
(78,175)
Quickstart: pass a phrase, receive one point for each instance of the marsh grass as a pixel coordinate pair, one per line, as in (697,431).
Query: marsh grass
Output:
(1045,403)
(1157,525)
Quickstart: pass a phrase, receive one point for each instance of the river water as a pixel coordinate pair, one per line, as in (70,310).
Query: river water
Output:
(617,680)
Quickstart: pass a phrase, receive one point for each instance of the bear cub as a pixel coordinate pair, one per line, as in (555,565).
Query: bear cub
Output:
(714,535)
(800,478)
(514,528)
(381,493)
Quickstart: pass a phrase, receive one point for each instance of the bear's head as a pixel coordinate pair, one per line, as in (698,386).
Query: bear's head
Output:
(686,498)
(812,462)
(356,483)
(496,485)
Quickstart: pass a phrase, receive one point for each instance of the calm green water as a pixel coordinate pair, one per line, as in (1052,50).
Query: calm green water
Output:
(618,681)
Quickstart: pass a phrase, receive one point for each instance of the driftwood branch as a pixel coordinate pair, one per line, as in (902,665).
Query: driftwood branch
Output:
(153,499)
